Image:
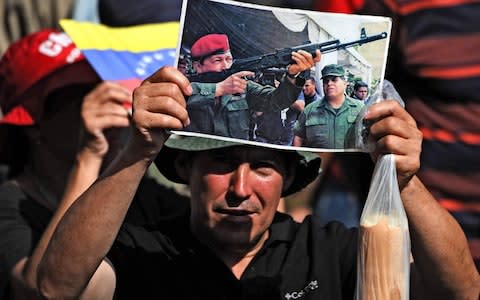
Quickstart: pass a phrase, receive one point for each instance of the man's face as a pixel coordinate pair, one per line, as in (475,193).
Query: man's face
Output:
(214,63)
(361,93)
(309,88)
(55,139)
(333,86)
(235,193)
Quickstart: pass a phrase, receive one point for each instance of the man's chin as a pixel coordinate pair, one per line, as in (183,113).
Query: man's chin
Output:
(233,236)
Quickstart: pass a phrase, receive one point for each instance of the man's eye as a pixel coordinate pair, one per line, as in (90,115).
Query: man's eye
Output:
(264,167)
(218,156)
(221,164)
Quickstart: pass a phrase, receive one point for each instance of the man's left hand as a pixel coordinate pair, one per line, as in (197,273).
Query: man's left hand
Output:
(395,131)
(303,61)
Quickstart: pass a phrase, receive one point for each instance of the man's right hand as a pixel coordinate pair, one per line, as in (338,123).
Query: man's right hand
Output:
(102,108)
(158,104)
(234,84)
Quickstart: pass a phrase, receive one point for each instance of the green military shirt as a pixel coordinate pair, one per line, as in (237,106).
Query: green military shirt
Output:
(230,114)
(322,126)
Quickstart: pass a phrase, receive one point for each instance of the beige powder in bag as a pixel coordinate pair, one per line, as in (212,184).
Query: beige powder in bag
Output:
(383,266)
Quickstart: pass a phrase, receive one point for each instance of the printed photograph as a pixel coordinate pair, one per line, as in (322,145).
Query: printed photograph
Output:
(281,77)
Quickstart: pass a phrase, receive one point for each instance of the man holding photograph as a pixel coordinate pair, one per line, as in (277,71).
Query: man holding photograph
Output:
(326,123)
(224,108)
(233,244)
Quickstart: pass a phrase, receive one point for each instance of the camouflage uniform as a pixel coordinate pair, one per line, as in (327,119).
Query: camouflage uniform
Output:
(231,116)
(321,126)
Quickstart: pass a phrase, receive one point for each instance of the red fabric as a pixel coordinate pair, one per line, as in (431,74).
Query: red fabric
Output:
(30,104)
(209,44)
(25,63)
(339,6)
(18,116)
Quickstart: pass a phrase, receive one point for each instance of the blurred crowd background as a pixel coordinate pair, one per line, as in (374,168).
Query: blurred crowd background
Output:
(440,87)
(21,17)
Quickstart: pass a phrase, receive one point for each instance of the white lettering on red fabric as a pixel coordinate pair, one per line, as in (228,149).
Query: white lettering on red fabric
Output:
(56,44)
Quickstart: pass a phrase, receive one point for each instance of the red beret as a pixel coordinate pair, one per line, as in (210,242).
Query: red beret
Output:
(33,67)
(210,44)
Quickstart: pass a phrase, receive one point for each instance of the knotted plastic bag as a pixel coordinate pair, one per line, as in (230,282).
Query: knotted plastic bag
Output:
(385,90)
(383,259)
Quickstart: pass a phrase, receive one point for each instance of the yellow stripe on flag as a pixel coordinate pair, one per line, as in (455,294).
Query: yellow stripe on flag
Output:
(140,38)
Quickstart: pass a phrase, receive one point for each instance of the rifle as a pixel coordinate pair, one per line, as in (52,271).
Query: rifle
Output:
(280,58)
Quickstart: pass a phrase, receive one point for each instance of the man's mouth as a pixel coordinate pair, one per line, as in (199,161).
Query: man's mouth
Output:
(233,212)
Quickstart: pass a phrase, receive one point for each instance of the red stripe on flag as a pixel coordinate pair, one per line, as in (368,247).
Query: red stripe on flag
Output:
(130,84)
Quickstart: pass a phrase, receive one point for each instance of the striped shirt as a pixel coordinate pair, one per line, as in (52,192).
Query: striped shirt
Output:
(434,62)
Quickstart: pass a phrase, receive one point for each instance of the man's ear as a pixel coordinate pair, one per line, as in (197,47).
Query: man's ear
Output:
(197,66)
(183,166)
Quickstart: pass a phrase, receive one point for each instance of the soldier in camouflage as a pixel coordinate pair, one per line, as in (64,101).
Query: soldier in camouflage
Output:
(224,108)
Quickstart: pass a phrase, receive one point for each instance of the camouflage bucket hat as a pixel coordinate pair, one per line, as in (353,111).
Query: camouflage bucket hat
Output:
(333,70)
(307,168)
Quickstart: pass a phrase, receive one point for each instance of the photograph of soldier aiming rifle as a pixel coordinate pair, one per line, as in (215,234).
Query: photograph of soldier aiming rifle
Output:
(278,61)
(230,84)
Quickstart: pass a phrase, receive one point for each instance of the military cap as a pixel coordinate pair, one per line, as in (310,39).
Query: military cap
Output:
(333,70)
(210,44)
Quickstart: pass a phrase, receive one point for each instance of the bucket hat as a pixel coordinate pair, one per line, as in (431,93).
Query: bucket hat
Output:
(307,164)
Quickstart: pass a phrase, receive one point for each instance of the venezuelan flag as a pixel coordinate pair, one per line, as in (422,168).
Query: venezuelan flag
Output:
(125,54)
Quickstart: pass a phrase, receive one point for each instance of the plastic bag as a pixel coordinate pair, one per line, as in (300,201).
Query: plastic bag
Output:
(385,90)
(383,259)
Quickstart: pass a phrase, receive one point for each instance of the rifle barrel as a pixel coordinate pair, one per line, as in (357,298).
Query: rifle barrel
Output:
(280,58)
(359,42)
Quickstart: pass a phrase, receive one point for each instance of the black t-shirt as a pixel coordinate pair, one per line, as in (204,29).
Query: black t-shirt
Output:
(22,221)
(299,261)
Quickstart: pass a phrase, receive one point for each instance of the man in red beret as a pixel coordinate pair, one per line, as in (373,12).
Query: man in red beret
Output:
(224,108)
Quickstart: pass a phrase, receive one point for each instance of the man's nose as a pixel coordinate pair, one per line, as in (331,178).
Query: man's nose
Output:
(240,183)
(225,64)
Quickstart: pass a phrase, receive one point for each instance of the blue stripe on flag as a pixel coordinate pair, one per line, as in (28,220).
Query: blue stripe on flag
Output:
(122,65)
